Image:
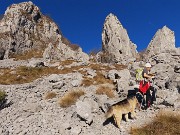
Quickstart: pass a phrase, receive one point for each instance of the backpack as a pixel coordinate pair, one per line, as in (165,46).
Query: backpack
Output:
(139,76)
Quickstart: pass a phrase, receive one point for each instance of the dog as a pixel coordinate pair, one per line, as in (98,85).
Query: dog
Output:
(125,107)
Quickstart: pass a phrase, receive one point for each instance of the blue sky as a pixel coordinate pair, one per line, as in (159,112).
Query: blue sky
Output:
(81,21)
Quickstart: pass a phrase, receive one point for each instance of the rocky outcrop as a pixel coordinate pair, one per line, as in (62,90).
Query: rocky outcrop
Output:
(162,42)
(116,45)
(24,29)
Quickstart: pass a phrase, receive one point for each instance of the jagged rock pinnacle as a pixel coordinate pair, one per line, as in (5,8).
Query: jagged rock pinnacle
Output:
(163,41)
(115,41)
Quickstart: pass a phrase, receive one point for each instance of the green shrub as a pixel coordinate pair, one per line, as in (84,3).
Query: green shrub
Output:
(2,96)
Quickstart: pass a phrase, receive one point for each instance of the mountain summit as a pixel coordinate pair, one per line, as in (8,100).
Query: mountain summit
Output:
(24,30)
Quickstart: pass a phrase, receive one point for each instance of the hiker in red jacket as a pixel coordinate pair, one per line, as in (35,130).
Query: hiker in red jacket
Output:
(151,91)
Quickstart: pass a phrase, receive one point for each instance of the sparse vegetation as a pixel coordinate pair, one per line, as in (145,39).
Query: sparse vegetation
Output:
(25,74)
(2,96)
(28,55)
(166,123)
(93,52)
(66,62)
(98,79)
(50,95)
(28,74)
(105,90)
(70,98)
(99,67)
(68,43)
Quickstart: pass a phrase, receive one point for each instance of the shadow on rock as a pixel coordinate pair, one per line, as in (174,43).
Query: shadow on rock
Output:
(109,120)
(5,104)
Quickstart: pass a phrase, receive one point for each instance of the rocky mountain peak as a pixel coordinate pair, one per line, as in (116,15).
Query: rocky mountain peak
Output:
(111,18)
(116,44)
(163,41)
(22,9)
(24,29)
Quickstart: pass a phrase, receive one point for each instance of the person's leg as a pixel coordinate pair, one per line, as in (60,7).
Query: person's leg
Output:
(153,93)
(148,98)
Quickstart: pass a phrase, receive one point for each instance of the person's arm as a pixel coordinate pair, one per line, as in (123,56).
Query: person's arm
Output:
(147,76)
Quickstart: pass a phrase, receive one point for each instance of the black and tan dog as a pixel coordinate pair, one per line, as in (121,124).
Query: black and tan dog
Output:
(123,107)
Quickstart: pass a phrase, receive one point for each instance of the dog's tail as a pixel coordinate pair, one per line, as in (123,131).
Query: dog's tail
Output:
(109,113)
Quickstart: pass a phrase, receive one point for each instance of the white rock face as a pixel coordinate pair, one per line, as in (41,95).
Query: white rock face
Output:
(24,28)
(116,44)
(163,41)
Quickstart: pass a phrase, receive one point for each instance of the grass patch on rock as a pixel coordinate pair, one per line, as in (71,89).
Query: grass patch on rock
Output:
(66,62)
(35,53)
(50,95)
(70,98)
(105,90)
(97,80)
(25,74)
(166,123)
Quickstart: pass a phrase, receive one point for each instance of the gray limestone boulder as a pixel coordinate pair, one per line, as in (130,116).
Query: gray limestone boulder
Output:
(177,104)
(121,78)
(177,68)
(76,83)
(84,111)
(75,130)
(35,63)
(171,98)
(54,78)
(113,75)
(163,73)
(91,73)
(58,85)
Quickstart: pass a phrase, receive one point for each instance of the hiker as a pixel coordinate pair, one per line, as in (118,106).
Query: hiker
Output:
(150,98)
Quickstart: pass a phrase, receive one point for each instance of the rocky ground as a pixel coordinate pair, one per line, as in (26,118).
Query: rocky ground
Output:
(28,112)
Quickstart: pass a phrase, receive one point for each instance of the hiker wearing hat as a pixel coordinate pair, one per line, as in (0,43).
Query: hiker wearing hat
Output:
(151,91)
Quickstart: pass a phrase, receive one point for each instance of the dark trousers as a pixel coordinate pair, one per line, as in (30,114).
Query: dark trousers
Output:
(150,97)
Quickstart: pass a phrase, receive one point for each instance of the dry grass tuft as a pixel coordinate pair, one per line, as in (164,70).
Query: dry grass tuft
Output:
(68,43)
(166,123)
(50,95)
(28,54)
(28,74)
(66,62)
(120,66)
(97,80)
(99,67)
(105,90)
(70,98)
